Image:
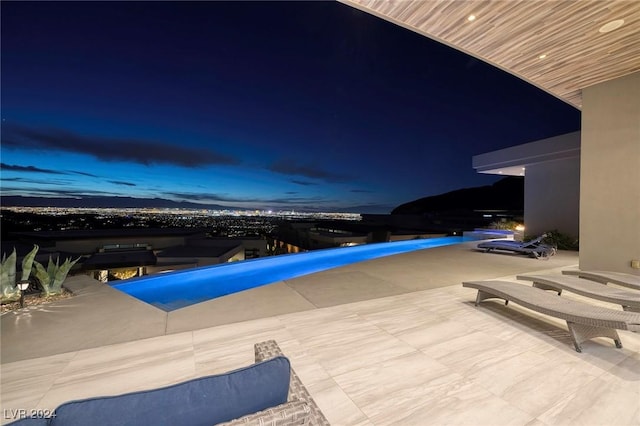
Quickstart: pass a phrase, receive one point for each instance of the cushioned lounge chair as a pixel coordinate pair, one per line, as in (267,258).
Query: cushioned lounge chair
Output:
(534,248)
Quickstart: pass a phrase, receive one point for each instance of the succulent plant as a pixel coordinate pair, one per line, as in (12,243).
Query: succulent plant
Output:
(52,278)
(9,291)
(27,262)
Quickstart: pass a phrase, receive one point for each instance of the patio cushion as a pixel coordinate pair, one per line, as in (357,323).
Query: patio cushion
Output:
(203,401)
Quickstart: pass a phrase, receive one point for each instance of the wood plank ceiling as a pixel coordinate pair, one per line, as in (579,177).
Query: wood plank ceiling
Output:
(553,44)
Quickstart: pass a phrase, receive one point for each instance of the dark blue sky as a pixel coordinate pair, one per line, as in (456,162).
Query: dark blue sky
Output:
(274,105)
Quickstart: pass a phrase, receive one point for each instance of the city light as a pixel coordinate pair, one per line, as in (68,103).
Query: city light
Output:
(219,223)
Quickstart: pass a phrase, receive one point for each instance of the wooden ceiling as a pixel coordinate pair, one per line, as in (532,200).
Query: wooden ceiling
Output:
(514,34)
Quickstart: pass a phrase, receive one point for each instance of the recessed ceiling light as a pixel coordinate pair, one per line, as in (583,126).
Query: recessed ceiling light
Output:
(471,18)
(542,56)
(610,26)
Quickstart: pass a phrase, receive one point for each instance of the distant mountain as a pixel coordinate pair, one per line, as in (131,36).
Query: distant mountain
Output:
(506,194)
(103,202)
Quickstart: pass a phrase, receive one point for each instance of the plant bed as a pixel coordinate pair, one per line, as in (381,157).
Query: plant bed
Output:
(34,300)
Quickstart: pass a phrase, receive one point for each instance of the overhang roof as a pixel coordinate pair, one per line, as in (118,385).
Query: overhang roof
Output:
(514,35)
(513,161)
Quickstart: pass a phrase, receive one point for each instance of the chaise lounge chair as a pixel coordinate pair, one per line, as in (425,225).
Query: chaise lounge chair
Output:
(584,321)
(628,299)
(534,248)
(605,277)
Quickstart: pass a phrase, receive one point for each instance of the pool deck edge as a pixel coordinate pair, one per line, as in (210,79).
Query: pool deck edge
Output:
(100,315)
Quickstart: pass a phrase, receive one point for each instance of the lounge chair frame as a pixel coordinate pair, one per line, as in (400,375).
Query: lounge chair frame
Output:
(533,248)
(584,321)
(605,277)
(628,299)
(297,392)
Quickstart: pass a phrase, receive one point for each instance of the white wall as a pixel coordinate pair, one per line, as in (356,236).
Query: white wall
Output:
(610,175)
(552,197)
(551,183)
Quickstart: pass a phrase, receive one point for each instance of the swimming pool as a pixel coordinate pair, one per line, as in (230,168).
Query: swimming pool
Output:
(175,290)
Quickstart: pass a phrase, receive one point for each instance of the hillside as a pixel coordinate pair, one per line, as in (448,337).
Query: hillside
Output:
(506,194)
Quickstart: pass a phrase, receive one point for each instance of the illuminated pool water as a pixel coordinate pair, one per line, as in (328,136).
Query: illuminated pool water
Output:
(174,290)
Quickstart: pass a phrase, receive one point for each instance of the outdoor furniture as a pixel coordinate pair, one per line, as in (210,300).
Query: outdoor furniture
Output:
(297,391)
(628,299)
(534,248)
(265,393)
(584,321)
(604,277)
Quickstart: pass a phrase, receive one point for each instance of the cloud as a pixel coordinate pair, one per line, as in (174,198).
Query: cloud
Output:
(119,182)
(302,182)
(361,191)
(83,174)
(292,200)
(368,208)
(40,191)
(291,192)
(87,197)
(192,196)
(111,149)
(37,181)
(33,169)
(289,167)
(28,169)
(207,197)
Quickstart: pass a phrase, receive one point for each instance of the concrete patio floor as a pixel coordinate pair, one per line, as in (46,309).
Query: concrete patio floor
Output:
(395,340)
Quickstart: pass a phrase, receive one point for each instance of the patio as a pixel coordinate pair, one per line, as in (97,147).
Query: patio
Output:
(395,340)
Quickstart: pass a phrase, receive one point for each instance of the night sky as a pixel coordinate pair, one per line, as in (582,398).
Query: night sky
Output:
(269,105)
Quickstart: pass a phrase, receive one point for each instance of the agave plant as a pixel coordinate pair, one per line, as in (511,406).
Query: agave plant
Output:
(52,278)
(9,291)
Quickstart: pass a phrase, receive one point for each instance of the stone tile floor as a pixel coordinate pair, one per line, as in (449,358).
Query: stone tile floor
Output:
(422,357)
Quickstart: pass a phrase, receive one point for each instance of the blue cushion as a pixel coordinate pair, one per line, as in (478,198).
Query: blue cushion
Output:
(203,401)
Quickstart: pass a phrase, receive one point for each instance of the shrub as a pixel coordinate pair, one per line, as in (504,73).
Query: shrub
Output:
(509,225)
(561,241)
